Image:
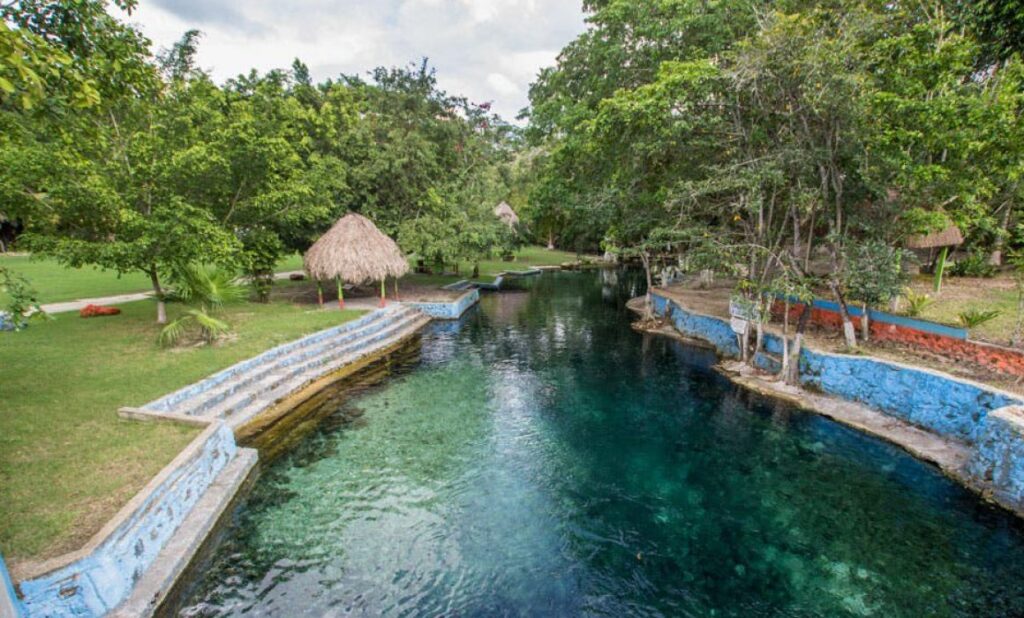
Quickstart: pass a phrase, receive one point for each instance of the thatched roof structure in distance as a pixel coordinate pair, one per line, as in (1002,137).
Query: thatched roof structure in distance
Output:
(355,250)
(949,237)
(508,216)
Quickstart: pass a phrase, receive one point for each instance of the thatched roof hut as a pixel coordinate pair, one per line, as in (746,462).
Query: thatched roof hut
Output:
(508,216)
(355,251)
(949,237)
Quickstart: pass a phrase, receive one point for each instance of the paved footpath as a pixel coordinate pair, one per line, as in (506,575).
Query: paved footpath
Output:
(77,305)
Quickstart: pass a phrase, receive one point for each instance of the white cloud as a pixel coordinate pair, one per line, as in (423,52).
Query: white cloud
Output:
(485,50)
(502,84)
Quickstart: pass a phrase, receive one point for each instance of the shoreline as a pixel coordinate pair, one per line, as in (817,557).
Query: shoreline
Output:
(955,458)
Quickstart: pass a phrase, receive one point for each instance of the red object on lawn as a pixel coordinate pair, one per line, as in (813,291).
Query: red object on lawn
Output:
(90,311)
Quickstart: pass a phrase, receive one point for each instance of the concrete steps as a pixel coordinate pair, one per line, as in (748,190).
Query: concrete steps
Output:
(239,393)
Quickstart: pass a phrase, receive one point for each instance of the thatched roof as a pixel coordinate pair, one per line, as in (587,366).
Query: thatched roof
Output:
(355,250)
(508,216)
(951,236)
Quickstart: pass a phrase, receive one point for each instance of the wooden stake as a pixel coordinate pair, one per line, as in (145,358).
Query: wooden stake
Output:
(341,295)
(320,293)
(382,294)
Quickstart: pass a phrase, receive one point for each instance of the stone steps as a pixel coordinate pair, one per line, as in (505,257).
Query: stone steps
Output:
(390,336)
(239,393)
(230,393)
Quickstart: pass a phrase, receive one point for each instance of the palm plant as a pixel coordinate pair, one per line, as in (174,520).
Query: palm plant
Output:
(206,287)
(976,317)
(917,302)
(209,327)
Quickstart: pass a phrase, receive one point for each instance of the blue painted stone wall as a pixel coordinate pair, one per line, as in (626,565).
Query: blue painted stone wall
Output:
(713,330)
(944,405)
(937,402)
(97,583)
(168,402)
(450,310)
(998,457)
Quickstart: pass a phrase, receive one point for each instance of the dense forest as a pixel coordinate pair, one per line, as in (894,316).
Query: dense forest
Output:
(791,145)
(115,156)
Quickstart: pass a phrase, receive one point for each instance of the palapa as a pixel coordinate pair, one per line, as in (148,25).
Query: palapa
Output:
(949,237)
(355,251)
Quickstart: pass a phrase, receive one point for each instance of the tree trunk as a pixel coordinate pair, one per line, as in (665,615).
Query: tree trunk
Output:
(320,293)
(793,377)
(551,240)
(785,339)
(1018,328)
(648,304)
(476,270)
(849,334)
(996,258)
(158,293)
(341,294)
(865,326)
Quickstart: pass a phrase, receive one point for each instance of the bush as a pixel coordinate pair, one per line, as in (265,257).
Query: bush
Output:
(916,303)
(974,264)
(975,317)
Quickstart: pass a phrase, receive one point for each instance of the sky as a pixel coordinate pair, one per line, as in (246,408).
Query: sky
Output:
(485,50)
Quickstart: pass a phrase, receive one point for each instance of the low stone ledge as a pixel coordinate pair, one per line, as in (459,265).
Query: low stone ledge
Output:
(448,310)
(94,579)
(997,463)
(153,588)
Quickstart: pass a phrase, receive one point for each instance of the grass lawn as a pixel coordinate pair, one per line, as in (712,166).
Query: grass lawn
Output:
(961,294)
(55,283)
(526,257)
(67,462)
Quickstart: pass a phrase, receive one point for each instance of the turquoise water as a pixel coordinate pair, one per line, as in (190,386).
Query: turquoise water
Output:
(541,458)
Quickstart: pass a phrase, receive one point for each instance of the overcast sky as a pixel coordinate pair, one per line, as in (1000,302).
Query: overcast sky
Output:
(486,50)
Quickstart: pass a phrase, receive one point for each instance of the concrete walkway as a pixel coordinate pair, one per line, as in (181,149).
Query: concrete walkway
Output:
(77,305)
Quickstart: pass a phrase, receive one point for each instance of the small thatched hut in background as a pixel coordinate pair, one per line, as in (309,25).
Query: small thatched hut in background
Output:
(508,216)
(354,251)
(942,240)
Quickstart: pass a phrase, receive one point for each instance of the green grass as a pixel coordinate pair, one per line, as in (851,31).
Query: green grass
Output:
(67,462)
(947,310)
(55,283)
(526,257)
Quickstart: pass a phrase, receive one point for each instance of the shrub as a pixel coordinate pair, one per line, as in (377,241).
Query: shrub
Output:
(916,302)
(975,317)
(975,264)
(209,327)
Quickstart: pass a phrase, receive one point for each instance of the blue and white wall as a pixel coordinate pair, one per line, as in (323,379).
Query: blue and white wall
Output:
(452,310)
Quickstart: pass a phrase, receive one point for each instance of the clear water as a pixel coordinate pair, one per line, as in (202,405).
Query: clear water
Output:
(541,458)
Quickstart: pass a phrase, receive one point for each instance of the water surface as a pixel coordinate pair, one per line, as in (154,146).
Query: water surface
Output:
(541,458)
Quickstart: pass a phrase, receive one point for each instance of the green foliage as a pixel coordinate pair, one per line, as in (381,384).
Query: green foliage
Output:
(873,272)
(20,297)
(196,320)
(205,285)
(975,317)
(916,302)
(974,264)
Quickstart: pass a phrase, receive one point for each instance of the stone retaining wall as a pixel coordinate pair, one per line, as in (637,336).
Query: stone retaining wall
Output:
(95,579)
(988,420)
(948,341)
(451,310)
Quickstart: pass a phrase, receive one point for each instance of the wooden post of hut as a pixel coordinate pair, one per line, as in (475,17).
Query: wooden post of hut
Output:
(354,250)
(949,237)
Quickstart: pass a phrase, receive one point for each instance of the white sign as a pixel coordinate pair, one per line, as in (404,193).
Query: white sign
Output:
(739,325)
